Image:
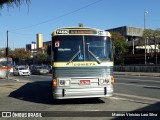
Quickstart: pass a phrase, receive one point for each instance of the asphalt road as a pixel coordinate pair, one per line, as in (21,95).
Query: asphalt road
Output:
(32,93)
(138,87)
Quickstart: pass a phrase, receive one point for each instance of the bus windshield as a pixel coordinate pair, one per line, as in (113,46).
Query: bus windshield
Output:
(81,48)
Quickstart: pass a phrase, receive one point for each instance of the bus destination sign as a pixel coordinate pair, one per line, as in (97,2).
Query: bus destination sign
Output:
(82,32)
(79,32)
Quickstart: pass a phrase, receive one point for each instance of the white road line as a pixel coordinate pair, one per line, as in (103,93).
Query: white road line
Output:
(138,97)
(139,85)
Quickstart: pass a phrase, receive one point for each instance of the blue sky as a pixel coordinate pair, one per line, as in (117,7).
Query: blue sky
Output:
(44,16)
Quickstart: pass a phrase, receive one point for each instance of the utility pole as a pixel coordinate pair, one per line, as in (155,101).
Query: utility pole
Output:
(7,73)
(7,45)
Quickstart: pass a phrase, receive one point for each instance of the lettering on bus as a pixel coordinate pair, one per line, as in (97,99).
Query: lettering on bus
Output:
(84,64)
(82,32)
(62,32)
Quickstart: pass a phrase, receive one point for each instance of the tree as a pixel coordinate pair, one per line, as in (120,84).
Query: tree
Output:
(11,3)
(150,34)
(120,47)
(151,37)
(41,57)
(20,55)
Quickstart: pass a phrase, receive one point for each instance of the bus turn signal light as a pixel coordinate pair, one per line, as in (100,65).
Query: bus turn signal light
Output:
(54,82)
(112,80)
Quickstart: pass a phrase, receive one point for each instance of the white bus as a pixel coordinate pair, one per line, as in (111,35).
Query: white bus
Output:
(82,63)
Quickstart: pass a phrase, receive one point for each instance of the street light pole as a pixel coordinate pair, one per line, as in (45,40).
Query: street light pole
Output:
(132,42)
(145,12)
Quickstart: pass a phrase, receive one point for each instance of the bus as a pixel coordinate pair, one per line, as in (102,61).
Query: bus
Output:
(5,66)
(82,63)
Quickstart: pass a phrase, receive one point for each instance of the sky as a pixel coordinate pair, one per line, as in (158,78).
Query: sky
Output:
(44,16)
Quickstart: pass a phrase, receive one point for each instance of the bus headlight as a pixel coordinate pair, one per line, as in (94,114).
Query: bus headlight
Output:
(107,81)
(64,82)
(103,81)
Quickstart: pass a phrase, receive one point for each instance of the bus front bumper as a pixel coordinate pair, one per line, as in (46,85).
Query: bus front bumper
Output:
(68,93)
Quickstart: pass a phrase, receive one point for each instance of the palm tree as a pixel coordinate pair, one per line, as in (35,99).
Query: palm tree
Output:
(10,3)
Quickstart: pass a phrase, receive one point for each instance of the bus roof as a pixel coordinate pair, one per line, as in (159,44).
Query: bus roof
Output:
(80,31)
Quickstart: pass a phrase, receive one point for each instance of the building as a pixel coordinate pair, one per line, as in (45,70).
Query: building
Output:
(39,41)
(39,45)
(137,48)
(129,33)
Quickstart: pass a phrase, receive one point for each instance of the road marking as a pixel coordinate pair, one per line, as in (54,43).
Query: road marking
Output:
(138,97)
(139,85)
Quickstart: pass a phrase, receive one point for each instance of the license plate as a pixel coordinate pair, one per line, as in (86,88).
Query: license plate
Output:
(84,82)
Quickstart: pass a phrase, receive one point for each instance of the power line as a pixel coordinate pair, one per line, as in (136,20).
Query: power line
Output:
(66,14)
(21,33)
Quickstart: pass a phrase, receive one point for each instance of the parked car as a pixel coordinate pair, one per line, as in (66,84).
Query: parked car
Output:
(48,67)
(21,70)
(39,70)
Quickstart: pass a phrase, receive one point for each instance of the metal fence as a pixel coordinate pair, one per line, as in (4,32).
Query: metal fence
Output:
(137,69)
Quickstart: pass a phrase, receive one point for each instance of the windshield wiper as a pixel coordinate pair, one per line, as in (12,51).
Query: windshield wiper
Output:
(98,61)
(79,52)
(74,57)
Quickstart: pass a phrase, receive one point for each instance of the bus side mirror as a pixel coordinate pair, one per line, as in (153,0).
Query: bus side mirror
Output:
(49,49)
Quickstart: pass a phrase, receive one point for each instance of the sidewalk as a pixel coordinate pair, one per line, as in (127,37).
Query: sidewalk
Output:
(138,74)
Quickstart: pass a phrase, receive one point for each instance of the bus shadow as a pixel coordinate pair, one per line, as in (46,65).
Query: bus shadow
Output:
(40,92)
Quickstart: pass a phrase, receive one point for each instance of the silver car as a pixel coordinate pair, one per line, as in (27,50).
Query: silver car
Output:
(39,70)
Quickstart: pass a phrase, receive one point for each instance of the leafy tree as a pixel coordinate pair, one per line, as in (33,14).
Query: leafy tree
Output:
(3,52)
(11,3)
(20,55)
(120,47)
(150,34)
(152,37)
(41,57)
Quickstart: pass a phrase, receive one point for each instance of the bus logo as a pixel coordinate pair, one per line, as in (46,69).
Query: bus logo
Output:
(62,32)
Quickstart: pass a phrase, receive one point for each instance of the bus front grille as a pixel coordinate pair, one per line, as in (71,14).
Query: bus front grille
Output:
(82,72)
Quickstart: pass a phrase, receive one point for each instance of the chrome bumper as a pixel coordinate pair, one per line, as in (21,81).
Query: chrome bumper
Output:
(67,93)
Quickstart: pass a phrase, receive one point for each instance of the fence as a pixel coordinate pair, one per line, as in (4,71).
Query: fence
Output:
(137,69)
